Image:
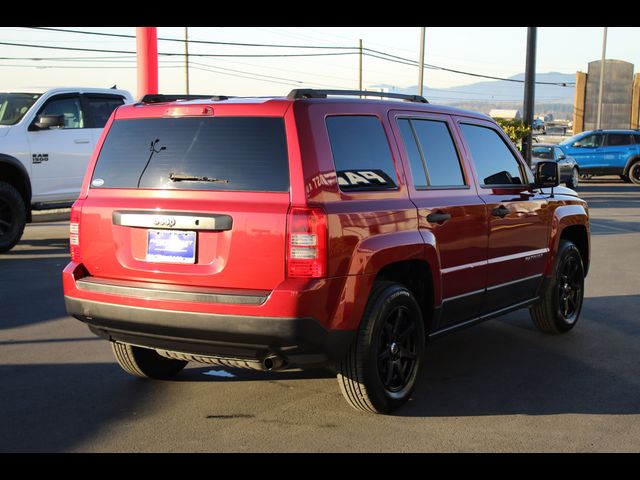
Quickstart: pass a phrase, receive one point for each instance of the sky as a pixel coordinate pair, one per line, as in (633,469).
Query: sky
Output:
(494,51)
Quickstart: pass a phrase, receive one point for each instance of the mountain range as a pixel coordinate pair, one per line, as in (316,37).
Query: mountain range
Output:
(485,95)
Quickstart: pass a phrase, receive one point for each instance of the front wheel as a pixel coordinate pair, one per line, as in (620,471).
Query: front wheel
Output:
(380,370)
(562,293)
(634,172)
(573,179)
(13,216)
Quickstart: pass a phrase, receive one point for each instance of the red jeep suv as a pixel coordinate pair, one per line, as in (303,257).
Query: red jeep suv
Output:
(315,229)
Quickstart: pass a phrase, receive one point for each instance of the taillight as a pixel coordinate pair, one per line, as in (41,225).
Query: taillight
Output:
(74,233)
(306,242)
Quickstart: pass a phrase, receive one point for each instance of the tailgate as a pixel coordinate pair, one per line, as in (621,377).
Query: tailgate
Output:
(198,201)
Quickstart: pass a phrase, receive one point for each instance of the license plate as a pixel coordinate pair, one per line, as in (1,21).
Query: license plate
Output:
(168,246)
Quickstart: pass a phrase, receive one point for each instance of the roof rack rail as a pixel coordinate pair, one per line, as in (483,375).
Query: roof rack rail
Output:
(160,98)
(300,93)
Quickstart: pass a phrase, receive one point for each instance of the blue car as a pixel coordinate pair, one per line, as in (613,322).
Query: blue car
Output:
(606,152)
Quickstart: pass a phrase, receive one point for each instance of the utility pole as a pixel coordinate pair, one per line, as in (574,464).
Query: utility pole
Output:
(360,66)
(421,61)
(602,62)
(529,91)
(186,57)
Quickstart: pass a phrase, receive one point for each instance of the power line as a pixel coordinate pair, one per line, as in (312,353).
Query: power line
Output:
(179,40)
(261,55)
(407,61)
(374,53)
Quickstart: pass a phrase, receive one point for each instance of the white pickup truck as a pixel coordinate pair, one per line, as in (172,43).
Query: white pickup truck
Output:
(46,140)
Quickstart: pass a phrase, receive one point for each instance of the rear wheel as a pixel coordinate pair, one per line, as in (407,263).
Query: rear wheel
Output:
(574,179)
(146,363)
(13,216)
(379,372)
(562,294)
(634,172)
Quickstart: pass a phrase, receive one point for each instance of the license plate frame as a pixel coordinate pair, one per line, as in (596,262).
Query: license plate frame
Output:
(171,246)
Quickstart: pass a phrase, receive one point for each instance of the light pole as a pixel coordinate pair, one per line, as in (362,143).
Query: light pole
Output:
(421,70)
(529,91)
(602,63)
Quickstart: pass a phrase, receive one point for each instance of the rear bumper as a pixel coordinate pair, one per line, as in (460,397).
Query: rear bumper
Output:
(303,320)
(299,340)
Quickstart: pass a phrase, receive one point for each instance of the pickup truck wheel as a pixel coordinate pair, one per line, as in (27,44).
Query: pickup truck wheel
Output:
(13,216)
(562,294)
(634,172)
(379,372)
(146,363)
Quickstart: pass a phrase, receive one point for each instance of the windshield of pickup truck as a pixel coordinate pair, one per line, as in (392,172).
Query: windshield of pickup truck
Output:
(13,106)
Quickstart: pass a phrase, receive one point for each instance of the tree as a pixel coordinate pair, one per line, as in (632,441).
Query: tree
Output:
(515,129)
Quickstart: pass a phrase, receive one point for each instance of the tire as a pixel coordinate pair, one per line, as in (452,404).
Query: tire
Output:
(13,216)
(146,363)
(574,179)
(562,294)
(625,178)
(634,172)
(379,372)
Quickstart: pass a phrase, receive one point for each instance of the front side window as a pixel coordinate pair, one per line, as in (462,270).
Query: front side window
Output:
(69,108)
(495,163)
(558,153)
(590,141)
(361,153)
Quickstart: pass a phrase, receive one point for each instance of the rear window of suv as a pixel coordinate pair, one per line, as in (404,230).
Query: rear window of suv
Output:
(195,153)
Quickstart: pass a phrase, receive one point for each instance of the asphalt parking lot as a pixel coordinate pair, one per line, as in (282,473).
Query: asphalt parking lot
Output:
(500,386)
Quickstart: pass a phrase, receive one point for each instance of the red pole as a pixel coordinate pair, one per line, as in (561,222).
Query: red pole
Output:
(147,49)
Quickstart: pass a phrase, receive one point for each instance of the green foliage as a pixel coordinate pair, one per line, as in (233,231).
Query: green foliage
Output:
(515,129)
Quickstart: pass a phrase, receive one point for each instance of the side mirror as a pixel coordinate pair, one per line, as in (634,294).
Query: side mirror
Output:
(45,122)
(547,175)
(562,156)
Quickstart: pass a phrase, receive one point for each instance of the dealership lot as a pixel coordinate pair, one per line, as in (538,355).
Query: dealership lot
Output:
(500,386)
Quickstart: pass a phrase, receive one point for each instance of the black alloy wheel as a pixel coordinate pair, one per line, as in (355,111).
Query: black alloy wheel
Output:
(397,349)
(570,285)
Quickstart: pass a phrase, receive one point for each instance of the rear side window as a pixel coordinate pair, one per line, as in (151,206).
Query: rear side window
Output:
(361,153)
(616,139)
(495,163)
(212,153)
(438,159)
(100,108)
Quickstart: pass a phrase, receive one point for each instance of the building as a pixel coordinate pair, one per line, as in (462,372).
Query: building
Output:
(505,114)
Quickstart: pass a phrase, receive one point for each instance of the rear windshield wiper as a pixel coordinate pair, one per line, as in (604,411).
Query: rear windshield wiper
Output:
(176,177)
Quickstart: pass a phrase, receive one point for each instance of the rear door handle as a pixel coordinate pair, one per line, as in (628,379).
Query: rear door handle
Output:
(438,217)
(500,211)
(81,140)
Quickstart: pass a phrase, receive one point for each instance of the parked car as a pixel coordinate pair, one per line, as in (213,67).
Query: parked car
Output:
(46,140)
(569,169)
(606,152)
(313,230)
